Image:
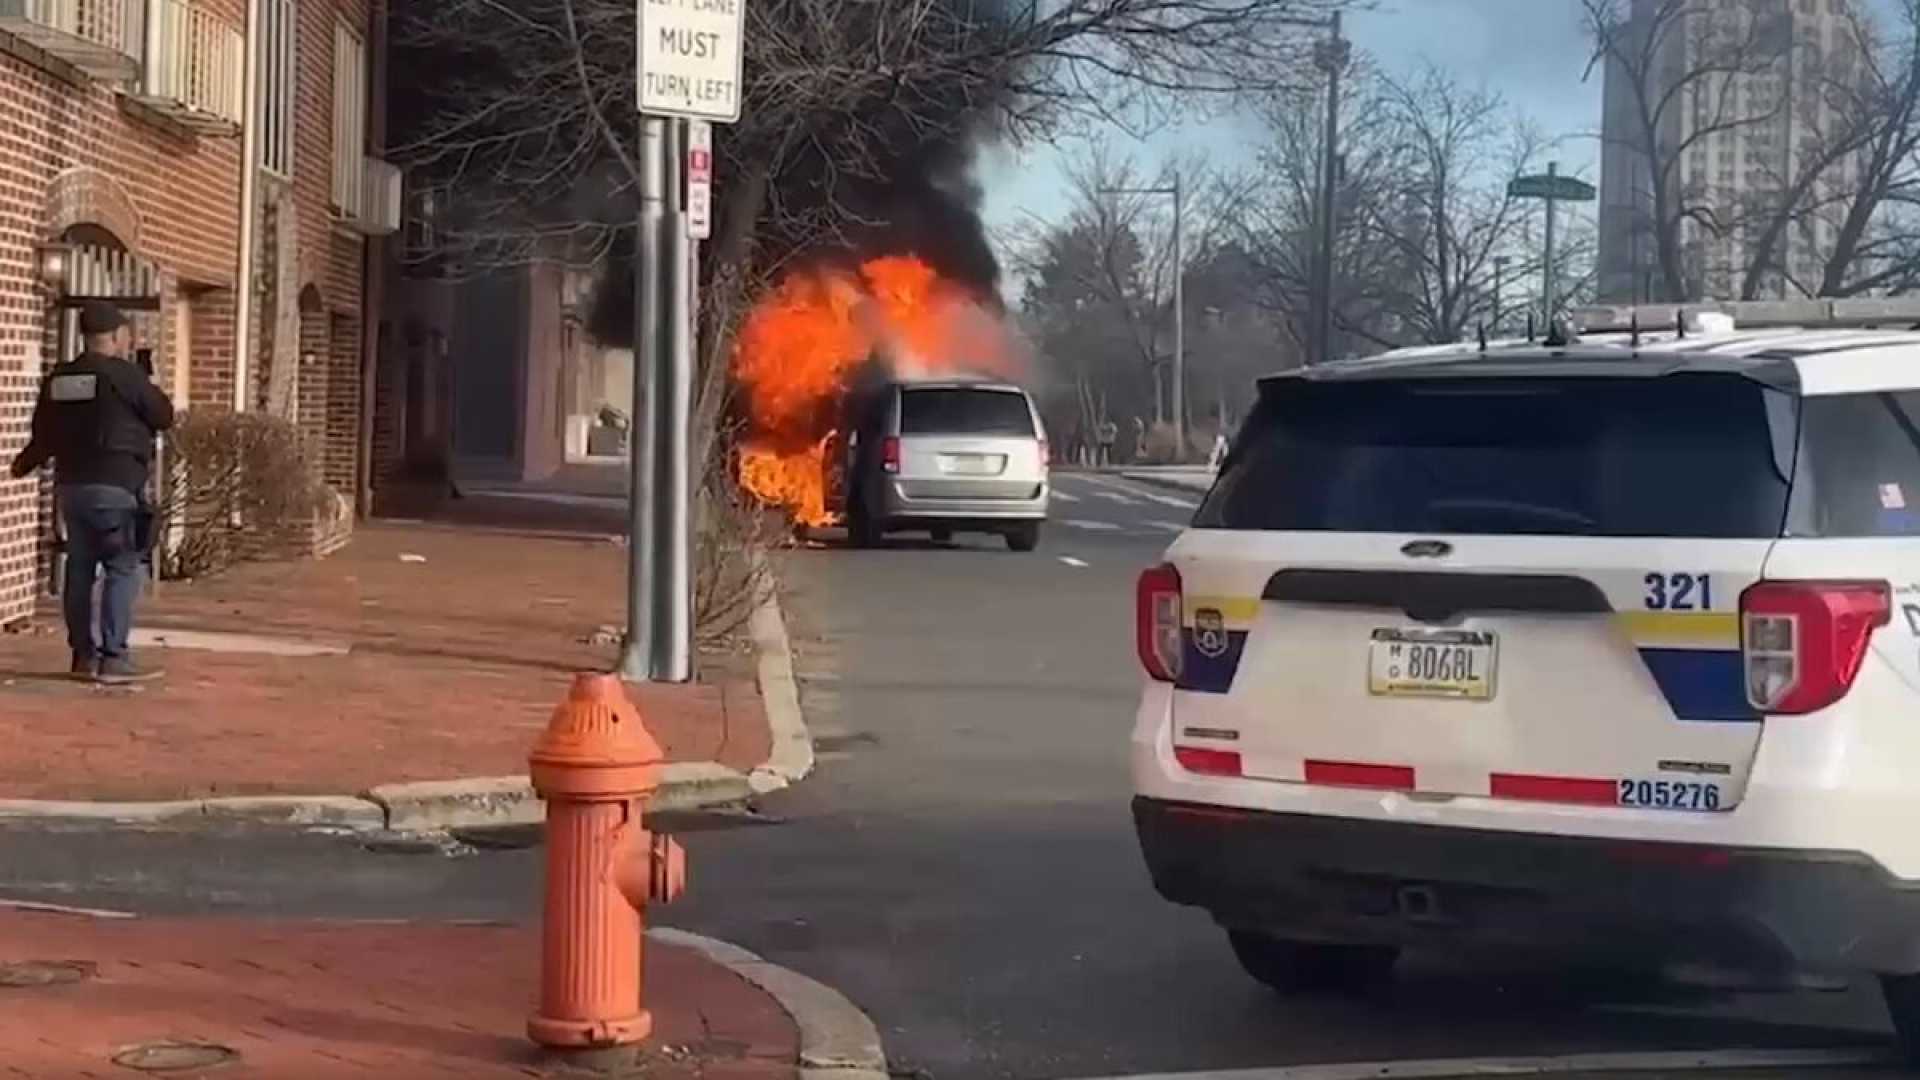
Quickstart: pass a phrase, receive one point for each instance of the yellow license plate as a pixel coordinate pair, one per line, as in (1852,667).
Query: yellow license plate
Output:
(1433,663)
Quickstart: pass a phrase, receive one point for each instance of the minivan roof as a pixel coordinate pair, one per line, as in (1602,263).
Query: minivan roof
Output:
(958,382)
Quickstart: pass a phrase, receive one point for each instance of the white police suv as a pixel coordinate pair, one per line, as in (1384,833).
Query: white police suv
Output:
(1607,644)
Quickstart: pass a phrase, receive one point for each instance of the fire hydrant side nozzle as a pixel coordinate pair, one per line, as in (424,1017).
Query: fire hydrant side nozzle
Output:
(595,765)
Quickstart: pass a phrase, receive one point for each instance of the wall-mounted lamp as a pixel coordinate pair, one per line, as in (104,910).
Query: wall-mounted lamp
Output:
(53,264)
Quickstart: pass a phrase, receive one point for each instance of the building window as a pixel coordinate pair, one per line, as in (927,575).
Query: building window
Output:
(349,118)
(277,85)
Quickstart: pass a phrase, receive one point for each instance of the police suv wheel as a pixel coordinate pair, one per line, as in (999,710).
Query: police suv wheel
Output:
(1300,967)
(1024,536)
(1903,1005)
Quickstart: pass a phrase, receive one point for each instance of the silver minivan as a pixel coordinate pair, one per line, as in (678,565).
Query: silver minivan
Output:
(944,456)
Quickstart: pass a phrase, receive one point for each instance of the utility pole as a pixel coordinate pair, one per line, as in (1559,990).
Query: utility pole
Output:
(1179,330)
(1332,56)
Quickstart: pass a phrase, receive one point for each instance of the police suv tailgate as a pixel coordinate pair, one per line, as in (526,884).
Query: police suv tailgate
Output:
(1516,587)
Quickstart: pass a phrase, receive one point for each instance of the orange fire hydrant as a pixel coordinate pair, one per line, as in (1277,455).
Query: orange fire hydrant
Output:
(594,766)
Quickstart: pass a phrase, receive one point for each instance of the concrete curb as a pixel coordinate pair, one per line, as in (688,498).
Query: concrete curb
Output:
(792,756)
(837,1040)
(1183,483)
(480,801)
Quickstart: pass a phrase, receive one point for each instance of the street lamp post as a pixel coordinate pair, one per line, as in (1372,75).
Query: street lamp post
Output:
(1331,56)
(1179,303)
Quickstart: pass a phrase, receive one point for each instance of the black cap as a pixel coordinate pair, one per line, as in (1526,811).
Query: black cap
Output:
(100,317)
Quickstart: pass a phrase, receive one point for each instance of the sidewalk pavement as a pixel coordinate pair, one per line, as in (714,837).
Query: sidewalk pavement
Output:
(317,1000)
(421,652)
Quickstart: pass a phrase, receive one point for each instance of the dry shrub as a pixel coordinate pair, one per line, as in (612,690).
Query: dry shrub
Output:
(1162,445)
(235,484)
(731,574)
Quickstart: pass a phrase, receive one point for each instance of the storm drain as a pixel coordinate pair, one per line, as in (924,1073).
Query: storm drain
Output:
(29,973)
(160,1057)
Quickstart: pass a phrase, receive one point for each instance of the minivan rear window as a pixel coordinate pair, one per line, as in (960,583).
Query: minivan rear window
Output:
(1687,455)
(961,411)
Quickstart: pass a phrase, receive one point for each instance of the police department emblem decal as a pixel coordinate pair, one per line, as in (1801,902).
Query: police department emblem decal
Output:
(1210,632)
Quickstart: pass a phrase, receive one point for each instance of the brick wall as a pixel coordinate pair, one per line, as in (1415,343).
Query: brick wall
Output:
(71,153)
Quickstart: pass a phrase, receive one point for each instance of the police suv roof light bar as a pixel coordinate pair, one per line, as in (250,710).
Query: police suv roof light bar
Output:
(1894,313)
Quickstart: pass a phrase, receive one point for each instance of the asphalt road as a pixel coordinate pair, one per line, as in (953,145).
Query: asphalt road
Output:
(962,864)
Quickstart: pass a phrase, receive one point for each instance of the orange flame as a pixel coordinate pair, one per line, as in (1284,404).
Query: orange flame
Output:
(799,348)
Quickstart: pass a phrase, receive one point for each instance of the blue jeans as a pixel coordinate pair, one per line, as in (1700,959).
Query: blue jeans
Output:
(100,538)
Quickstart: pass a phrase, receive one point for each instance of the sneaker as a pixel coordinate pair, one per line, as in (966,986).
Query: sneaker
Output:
(121,671)
(84,666)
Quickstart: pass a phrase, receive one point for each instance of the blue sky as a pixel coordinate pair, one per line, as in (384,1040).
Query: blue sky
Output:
(1532,52)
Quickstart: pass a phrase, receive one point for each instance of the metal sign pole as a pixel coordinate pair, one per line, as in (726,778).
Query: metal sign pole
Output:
(690,64)
(670,655)
(649,367)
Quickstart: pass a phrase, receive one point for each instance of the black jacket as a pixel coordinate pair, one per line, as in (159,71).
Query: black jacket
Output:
(96,419)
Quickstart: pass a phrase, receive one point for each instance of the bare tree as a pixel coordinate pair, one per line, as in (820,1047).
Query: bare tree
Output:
(1445,213)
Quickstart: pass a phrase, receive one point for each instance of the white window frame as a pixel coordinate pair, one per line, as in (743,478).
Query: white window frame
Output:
(350,78)
(279,84)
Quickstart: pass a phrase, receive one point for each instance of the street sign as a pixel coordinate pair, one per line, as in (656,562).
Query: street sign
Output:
(699,179)
(691,58)
(1551,186)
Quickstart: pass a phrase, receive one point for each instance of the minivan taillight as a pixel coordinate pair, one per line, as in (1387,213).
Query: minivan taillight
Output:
(890,454)
(1802,642)
(1157,622)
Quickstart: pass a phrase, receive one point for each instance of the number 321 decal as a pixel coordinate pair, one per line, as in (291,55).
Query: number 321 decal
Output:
(1679,592)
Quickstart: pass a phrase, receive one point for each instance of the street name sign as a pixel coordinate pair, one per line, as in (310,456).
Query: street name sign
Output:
(1551,186)
(691,58)
(699,179)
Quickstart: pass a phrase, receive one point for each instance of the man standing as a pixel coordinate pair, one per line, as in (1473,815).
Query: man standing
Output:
(96,419)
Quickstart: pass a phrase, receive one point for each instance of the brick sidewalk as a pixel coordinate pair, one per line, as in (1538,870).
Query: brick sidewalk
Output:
(300,1000)
(461,642)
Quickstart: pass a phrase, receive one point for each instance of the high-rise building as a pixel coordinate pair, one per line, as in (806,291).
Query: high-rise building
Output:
(1746,104)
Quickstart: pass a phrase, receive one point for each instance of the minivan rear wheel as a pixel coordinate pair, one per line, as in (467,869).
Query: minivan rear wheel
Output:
(1024,536)
(1305,967)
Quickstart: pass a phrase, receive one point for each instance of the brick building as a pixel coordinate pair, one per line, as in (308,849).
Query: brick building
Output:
(124,126)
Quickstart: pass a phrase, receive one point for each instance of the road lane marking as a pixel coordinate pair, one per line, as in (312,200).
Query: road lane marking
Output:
(1549,1066)
(1064,497)
(1170,526)
(1071,561)
(1136,489)
(1091,526)
(1114,496)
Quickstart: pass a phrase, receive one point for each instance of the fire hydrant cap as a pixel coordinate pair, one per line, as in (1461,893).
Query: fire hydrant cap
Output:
(596,743)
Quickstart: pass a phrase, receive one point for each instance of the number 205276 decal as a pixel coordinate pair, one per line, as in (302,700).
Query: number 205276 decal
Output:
(1669,794)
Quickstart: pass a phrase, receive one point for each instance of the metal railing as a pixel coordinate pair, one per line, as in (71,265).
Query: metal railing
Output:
(1901,312)
(195,66)
(100,37)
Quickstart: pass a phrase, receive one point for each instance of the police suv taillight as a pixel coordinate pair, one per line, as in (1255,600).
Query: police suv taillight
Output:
(1803,642)
(890,454)
(1157,603)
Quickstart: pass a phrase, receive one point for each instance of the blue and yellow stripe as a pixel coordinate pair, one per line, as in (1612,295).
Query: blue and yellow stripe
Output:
(1693,657)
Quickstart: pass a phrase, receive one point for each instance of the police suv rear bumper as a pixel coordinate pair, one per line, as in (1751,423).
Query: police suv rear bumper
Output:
(1342,880)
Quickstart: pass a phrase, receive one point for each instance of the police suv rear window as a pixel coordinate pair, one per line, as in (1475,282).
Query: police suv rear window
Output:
(948,411)
(1859,468)
(1686,455)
